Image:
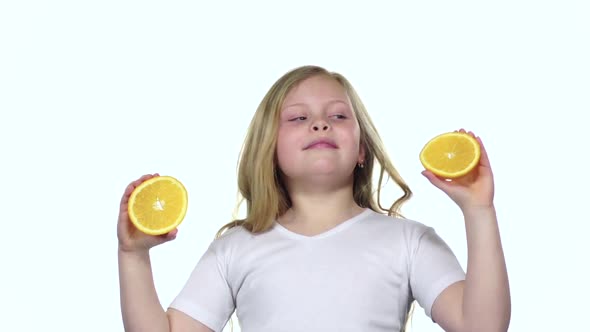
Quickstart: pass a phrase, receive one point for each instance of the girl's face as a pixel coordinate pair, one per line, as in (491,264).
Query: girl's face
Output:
(318,131)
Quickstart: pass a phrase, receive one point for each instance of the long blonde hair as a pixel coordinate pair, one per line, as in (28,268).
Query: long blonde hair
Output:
(259,181)
(259,178)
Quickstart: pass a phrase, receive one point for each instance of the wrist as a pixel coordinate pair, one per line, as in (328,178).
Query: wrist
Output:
(471,210)
(132,252)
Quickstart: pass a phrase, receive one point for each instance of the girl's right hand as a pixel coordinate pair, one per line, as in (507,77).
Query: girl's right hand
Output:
(130,238)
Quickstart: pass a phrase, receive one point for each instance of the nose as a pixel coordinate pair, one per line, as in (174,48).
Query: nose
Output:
(320,124)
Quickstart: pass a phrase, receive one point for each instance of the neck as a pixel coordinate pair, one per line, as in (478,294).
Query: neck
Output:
(316,210)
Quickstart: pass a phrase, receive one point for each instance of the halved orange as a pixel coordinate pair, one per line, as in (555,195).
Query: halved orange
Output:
(451,155)
(158,205)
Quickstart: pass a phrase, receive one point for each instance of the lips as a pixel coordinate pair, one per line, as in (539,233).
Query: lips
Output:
(325,143)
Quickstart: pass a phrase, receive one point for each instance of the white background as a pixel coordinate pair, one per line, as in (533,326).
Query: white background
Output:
(95,94)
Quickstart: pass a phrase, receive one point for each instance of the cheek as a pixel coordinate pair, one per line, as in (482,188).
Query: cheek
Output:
(353,136)
(283,143)
(357,139)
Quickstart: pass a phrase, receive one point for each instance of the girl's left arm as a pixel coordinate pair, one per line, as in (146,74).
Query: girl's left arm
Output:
(481,302)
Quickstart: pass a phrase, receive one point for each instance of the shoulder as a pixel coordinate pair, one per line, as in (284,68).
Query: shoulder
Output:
(237,240)
(406,235)
(396,226)
(230,238)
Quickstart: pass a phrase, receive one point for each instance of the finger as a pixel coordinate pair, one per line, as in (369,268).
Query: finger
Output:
(171,235)
(483,159)
(142,179)
(127,193)
(134,185)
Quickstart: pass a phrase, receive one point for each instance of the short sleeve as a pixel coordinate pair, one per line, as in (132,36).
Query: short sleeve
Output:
(433,267)
(206,296)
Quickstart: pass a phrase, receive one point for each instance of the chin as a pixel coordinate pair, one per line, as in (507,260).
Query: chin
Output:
(323,166)
(321,171)
(315,168)
(311,172)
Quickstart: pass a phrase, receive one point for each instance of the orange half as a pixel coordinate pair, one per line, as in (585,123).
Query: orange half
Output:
(158,205)
(451,155)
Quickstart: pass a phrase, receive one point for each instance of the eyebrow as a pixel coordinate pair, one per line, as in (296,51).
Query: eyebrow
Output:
(334,101)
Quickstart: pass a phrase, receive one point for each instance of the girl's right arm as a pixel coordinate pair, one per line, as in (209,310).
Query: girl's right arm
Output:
(140,306)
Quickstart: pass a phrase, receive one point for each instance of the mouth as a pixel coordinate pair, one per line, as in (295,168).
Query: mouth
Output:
(322,143)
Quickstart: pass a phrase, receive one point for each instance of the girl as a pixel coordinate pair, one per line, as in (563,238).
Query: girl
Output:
(316,251)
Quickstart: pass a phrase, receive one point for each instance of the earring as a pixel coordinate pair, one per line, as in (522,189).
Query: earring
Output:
(361,164)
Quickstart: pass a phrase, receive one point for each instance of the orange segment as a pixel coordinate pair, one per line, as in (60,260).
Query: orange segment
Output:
(158,205)
(451,155)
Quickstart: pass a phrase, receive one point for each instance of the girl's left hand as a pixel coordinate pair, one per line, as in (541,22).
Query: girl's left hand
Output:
(474,190)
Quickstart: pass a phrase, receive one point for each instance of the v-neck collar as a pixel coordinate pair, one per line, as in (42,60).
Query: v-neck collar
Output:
(338,228)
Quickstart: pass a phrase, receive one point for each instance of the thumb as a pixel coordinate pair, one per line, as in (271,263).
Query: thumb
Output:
(159,239)
(435,180)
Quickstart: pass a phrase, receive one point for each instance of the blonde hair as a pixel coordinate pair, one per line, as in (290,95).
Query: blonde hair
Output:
(259,178)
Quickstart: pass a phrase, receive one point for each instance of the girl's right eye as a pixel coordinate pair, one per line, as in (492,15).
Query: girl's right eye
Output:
(299,118)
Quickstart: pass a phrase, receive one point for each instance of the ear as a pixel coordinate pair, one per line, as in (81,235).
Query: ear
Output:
(362,153)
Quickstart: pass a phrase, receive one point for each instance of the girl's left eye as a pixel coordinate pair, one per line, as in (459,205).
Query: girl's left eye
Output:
(298,118)
(340,116)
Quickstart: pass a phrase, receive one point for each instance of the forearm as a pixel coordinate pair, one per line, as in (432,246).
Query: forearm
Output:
(140,306)
(486,297)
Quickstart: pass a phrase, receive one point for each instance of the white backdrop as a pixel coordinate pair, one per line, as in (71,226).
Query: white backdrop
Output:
(95,94)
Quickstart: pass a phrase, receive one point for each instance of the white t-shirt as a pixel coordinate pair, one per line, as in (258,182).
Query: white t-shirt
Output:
(361,275)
